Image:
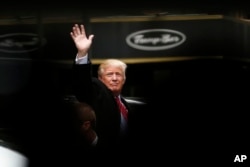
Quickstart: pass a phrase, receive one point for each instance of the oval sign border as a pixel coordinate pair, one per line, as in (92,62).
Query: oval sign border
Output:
(155,48)
(43,41)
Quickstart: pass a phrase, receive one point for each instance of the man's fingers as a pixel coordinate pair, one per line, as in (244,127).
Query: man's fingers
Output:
(76,29)
(82,30)
(91,37)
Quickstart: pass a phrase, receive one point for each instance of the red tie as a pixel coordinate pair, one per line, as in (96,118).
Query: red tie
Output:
(122,108)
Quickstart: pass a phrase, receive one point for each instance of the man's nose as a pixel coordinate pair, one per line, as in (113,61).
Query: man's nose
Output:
(114,76)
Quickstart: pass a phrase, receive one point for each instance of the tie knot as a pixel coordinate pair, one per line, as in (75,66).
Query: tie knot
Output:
(117,99)
(121,107)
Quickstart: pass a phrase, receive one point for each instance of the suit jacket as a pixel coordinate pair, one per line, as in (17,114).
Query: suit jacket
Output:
(91,90)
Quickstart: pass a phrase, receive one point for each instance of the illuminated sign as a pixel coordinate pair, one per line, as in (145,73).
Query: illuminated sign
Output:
(155,39)
(20,42)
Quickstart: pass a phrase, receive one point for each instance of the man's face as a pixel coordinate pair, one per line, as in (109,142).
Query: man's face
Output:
(113,78)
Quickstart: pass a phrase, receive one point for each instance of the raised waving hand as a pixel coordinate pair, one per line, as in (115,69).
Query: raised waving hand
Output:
(82,42)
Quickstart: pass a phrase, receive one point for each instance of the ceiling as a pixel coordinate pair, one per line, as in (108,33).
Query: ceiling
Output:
(128,7)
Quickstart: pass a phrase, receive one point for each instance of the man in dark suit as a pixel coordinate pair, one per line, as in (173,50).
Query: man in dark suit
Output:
(101,92)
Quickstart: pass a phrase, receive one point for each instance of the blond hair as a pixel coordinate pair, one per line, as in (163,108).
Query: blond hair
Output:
(112,62)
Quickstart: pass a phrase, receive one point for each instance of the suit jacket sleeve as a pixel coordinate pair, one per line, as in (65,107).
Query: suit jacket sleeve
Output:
(82,85)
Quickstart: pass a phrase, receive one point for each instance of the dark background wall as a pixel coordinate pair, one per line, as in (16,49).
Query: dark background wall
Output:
(205,101)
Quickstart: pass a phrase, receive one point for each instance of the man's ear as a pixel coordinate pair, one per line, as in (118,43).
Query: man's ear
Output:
(100,78)
(86,125)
